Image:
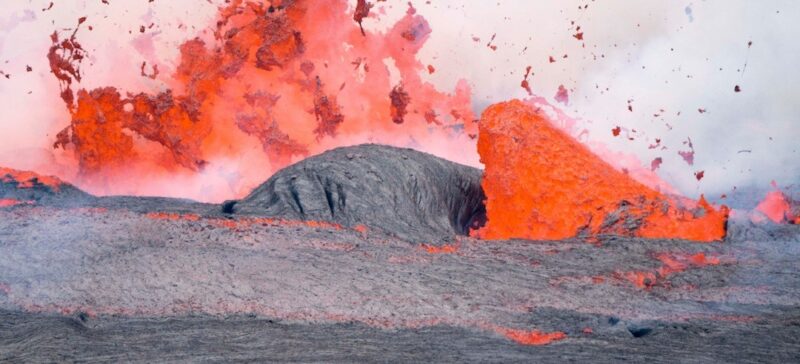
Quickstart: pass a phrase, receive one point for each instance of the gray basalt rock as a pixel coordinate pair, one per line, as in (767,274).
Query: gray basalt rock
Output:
(402,192)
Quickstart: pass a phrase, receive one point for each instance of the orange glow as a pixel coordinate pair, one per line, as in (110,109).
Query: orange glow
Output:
(702,223)
(675,263)
(296,79)
(25,179)
(534,337)
(700,260)
(173,216)
(671,263)
(444,249)
(9,202)
(777,208)
(640,279)
(541,184)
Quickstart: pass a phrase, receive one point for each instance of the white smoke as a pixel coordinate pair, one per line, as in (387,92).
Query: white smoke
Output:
(675,56)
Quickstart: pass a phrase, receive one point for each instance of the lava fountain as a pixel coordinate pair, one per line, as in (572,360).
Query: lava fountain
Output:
(294,77)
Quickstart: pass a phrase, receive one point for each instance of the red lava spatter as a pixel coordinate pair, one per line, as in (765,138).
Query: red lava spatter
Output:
(400,100)
(541,184)
(699,175)
(671,263)
(26,179)
(778,208)
(276,74)
(562,95)
(361,12)
(688,155)
(525,84)
(65,56)
(656,163)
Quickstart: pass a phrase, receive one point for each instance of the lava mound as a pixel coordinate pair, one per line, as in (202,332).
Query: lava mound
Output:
(26,188)
(402,192)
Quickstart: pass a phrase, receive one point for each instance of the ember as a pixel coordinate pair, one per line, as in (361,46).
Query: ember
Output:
(656,163)
(525,84)
(676,263)
(362,11)
(400,101)
(562,95)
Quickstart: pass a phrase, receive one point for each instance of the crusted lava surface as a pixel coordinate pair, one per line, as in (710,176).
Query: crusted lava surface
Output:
(401,192)
(360,254)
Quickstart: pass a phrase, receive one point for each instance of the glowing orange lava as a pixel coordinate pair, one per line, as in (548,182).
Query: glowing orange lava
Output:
(671,263)
(676,263)
(534,337)
(9,202)
(640,279)
(26,179)
(541,184)
(778,208)
(296,77)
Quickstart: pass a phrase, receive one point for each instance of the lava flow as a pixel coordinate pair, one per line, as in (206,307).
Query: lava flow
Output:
(26,179)
(779,208)
(671,263)
(533,337)
(542,184)
(291,77)
(295,78)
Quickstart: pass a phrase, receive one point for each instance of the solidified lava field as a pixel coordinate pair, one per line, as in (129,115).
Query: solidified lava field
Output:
(292,276)
(335,181)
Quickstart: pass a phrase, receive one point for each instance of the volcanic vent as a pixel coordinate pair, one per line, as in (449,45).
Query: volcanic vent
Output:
(403,192)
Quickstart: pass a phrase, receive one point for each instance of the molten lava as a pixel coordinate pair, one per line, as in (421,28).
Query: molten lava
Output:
(671,263)
(25,179)
(534,337)
(542,184)
(778,208)
(277,73)
(676,263)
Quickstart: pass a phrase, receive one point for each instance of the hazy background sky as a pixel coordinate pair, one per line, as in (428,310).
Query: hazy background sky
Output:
(666,59)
